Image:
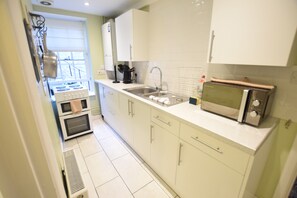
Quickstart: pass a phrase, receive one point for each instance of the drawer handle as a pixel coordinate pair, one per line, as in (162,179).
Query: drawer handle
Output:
(218,149)
(158,118)
(179,153)
(151,134)
(129,111)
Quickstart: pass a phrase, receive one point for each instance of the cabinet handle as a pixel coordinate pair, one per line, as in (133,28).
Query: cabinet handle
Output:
(211,46)
(129,112)
(130,52)
(132,109)
(218,149)
(179,153)
(151,134)
(158,118)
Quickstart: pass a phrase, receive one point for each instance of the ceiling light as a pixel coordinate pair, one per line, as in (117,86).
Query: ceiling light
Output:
(46,2)
(87,3)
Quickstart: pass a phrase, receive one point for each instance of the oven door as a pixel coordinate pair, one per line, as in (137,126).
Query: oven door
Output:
(76,124)
(64,107)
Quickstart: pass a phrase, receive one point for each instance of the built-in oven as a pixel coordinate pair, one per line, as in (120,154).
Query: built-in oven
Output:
(74,125)
(64,107)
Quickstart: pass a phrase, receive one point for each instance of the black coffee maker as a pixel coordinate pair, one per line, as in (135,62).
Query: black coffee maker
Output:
(126,70)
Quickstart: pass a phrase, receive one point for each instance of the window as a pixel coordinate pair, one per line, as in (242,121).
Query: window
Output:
(68,39)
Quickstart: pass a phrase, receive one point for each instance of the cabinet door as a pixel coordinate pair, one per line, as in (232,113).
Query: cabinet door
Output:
(141,129)
(198,174)
(125,121)
(132,36)
(103,106)
(252,32)
(164,152)
(109,105)
(124,36)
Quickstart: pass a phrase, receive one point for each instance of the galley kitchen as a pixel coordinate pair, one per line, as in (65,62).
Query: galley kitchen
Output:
(148,98)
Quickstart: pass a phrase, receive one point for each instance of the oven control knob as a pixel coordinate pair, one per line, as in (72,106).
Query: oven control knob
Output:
(256,103)
(253,114)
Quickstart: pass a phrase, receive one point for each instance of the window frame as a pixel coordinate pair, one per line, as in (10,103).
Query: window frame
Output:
(86,51)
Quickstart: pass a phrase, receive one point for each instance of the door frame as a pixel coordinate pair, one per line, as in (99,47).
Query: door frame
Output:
(289,173)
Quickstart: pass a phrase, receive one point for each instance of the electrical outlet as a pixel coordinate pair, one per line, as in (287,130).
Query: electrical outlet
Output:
(101,72)
(293,78)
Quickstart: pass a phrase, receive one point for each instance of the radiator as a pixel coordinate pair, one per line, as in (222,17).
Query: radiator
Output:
(75,183)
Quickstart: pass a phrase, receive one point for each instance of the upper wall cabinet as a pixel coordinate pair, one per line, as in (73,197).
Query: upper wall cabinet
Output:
(253,32)
(132,36)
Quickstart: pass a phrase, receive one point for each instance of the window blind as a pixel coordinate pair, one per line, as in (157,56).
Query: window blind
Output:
(65,35)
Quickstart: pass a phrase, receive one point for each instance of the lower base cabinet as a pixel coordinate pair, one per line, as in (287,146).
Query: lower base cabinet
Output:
(164,147)
(191,162)
(135,122)
(199,175)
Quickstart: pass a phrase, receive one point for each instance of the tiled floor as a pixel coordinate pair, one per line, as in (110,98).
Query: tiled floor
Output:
(111,169)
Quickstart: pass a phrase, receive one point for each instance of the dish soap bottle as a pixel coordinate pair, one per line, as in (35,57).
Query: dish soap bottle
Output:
(200,88)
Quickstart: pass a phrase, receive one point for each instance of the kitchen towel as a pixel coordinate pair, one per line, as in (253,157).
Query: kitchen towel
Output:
(76,106)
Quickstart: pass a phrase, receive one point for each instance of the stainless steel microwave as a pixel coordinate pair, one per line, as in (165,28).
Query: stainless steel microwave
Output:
(245,104)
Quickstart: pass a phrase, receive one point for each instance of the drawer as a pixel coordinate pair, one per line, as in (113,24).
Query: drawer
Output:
(165,121)
(230,156)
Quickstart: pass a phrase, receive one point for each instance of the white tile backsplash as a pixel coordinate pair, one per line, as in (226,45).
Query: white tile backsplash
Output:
(179,36)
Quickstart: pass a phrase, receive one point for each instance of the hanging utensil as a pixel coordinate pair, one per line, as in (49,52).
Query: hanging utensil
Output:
(49,61)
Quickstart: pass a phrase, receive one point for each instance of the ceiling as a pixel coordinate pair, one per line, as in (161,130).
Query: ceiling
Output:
(108,8)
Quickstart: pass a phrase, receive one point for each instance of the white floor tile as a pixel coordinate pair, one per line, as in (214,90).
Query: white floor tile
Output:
(103,131)
(132,173)
(115,188)
(130,150)
(170,193)
(100,168)
(70,144)
(89,145)
(89,184)
(152,190)
(85,138)
(80,161)
(113,148)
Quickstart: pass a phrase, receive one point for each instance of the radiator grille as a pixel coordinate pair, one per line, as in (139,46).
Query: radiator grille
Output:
(75,180)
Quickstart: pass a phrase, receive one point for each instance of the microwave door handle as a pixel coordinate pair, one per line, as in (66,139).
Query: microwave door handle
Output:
(242,105)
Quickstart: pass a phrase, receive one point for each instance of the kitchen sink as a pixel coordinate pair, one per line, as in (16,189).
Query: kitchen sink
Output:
(141,90)
(163,98)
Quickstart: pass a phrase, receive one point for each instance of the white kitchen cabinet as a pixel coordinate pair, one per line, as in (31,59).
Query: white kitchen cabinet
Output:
(109,104)
(200,175)
(164,147)
(132,36)
(109,45)
(253,32)
(192,160)
(211,168)
(135,122)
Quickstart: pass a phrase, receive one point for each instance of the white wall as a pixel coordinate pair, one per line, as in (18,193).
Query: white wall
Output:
(179,34)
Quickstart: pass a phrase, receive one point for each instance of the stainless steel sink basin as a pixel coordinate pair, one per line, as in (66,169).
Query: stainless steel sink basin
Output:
(141,90)
(159,97)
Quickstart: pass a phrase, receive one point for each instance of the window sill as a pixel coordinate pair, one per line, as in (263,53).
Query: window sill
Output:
(92,93)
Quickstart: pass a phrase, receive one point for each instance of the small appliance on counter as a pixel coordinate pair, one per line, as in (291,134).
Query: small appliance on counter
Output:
(245,102)
(126,70)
